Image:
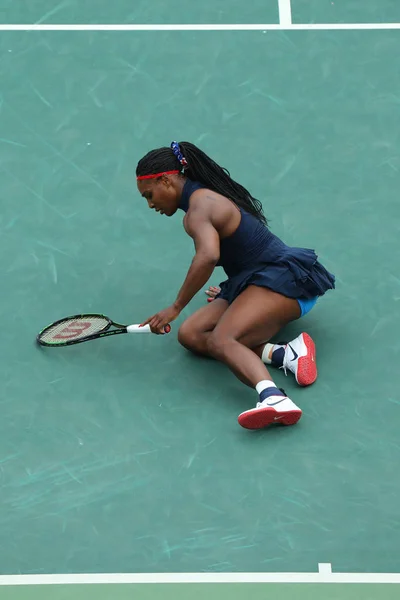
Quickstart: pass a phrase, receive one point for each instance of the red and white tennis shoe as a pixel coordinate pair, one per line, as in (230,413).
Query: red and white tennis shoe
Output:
(274,409)
(300,359)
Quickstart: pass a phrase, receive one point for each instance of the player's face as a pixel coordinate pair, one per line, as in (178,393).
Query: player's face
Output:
(160,194)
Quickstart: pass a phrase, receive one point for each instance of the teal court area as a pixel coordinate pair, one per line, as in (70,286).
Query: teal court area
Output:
(124,455)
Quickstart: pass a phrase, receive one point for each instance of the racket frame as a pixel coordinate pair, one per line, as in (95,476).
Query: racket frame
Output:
(104,332)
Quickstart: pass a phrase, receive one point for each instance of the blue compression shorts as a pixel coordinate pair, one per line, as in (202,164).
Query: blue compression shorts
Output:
(306,305)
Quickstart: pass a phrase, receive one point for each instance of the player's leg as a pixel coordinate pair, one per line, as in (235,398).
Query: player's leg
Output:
(297,356)
(256,315)
(194,331)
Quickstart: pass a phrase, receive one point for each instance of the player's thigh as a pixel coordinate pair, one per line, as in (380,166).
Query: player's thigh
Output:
(255,316)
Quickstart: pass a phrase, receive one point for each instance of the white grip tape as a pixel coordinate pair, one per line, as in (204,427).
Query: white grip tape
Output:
(137,329)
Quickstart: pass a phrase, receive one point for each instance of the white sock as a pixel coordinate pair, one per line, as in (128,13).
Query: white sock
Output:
(265,354)
(263,385)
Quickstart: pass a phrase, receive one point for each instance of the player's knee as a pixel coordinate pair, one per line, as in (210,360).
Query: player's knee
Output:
(188,337)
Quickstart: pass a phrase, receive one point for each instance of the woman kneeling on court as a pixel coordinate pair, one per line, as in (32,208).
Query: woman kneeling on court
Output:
(269,283)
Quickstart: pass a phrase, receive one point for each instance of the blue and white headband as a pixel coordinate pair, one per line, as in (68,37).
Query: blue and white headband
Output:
(178,153)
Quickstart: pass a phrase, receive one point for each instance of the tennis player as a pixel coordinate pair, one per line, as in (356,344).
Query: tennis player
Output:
(268,285)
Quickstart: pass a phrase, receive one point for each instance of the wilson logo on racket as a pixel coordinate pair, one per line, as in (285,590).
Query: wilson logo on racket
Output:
(72,330)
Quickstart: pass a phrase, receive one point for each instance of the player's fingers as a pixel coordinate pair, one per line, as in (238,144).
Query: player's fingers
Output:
(157,329)
(152,321)
(153,324)
(146,322)
(211,293)
(161,324)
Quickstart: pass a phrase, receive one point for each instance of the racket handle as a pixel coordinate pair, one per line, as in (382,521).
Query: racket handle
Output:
(144,329)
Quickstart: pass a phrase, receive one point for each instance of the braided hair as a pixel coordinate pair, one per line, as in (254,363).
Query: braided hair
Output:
(188,159)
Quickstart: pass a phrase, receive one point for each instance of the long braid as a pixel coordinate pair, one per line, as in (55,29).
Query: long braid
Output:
(196,165)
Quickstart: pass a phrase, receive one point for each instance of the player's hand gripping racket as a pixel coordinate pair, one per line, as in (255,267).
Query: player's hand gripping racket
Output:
(83,328)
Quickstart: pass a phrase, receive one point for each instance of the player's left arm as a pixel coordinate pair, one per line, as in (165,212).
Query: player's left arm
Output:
(199,226)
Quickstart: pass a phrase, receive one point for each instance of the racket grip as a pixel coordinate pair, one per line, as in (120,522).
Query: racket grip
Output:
(144,329)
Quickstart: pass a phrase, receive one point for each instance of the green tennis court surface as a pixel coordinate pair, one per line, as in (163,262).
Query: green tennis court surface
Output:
(107,463)
(345,11)
(140,11)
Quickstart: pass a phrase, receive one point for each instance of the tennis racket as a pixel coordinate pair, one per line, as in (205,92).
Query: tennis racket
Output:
(83,328)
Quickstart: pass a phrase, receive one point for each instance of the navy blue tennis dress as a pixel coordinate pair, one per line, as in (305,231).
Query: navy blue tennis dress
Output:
(253,255)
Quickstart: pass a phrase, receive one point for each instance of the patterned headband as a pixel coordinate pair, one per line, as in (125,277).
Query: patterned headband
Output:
(178,153)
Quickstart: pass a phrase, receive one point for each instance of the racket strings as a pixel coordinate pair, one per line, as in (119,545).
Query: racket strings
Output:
(74,329)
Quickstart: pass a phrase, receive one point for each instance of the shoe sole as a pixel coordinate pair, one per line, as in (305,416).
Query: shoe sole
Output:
(262,417)
(307,367)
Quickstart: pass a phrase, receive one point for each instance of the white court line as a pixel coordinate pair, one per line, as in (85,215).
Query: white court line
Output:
(163,578)
(285,12)
(201,27)
(324,568)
